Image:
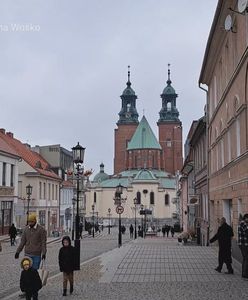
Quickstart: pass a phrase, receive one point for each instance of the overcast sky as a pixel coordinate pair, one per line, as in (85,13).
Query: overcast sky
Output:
(61,76)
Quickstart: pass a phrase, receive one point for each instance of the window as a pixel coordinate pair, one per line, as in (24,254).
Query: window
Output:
(238,136)
(168,143)
(4,175)
(49,191)
(52,191)
(94,197)
(138,196)
(152,198)
(44,190)
(40,190)
(166,199)
(12,175)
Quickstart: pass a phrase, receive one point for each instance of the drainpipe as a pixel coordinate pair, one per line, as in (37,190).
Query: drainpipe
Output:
(207,159)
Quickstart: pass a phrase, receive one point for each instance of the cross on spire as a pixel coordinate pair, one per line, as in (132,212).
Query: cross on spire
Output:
(169,80)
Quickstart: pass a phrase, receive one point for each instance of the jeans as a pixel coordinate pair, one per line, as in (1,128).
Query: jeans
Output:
(244,251)
(36,260)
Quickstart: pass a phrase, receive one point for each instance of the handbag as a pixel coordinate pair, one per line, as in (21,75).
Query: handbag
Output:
(43,273)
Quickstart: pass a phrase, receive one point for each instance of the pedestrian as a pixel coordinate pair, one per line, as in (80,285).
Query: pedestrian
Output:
(12,234)
(33,241)
(131,231)
(224,237)
(243,244)
(163,230)
(30,282)
(80,230)
(172,230)
(167,229)
(67,263)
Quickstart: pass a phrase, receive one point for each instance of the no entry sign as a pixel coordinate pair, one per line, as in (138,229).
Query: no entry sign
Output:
(119,209)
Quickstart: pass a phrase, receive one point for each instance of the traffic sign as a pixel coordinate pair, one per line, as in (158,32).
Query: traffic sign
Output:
(119,209)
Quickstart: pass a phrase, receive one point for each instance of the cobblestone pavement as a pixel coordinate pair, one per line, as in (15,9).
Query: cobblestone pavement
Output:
(90,247)
(154,268)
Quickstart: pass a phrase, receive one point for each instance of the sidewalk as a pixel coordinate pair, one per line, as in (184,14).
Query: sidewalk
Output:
(152,268)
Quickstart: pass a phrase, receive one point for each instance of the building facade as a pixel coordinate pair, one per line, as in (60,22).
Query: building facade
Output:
(224,71)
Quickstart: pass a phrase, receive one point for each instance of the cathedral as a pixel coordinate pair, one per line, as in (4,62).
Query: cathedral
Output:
(144,165)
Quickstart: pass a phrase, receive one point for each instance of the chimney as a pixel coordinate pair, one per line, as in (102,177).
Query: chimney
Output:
(2,130)
(27,145)
(10,134)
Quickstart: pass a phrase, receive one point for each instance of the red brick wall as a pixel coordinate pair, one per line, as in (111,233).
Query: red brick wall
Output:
(172,156)
(123,135)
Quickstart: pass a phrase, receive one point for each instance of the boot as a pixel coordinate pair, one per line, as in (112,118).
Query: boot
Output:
(71,289)
(64,292)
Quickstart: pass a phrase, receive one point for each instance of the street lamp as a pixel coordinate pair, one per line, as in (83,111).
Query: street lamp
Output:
(29,189)
(109,210)
(73,219)
(78,159)
(135,201)
(93,209)
(119,209)
(142,212)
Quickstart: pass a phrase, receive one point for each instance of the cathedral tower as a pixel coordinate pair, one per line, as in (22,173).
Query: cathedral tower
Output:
(126,126)
(170,130)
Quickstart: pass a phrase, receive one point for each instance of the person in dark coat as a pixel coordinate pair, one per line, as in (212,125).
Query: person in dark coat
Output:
(243,244)
(67,263)
(12,234)
(30,282)
(172,230)
(224,237)
(163,230)
(167,229)
(131,231)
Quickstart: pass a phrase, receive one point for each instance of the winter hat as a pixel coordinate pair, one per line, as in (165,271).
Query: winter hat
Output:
(66,238)
(26,261)
(32,218)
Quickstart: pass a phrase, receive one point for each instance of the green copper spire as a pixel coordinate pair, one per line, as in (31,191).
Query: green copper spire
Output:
(169,112)
(128,113)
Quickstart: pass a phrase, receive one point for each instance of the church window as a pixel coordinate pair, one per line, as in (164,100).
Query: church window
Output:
(152,198)
(94,197)
(138,196)
(166,199)
(168,143)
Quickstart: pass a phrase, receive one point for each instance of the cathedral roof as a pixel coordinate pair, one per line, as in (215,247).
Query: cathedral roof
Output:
(101,176)
(143,138)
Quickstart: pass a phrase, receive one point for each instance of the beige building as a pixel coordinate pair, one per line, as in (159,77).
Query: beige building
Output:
(153,188)
(224,71)
(33,169)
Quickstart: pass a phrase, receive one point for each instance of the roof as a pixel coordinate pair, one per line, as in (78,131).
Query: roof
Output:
(35,160)
(127,178)
(143,138)
(4,147)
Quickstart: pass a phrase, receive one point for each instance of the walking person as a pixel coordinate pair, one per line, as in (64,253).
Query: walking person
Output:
(167,229)
(12,234)
(224,237)
(172,230)
(30,282)
(163,230)
(33,241)
(131,231)
(67,263)
(243,244)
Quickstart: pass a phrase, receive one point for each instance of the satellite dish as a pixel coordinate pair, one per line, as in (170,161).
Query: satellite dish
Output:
(242,5)
(228,23)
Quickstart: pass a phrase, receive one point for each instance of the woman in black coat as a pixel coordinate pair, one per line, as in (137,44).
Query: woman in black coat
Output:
(224,236)
(67,263)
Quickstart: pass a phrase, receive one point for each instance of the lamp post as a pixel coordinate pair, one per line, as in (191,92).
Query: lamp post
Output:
(119,209)
(73,218)
(93,210)
(29,189)
(135,201)
(109,210)
(142,212)
(78,159)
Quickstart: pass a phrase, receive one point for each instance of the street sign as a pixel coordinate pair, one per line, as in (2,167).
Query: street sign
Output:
(119,209)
